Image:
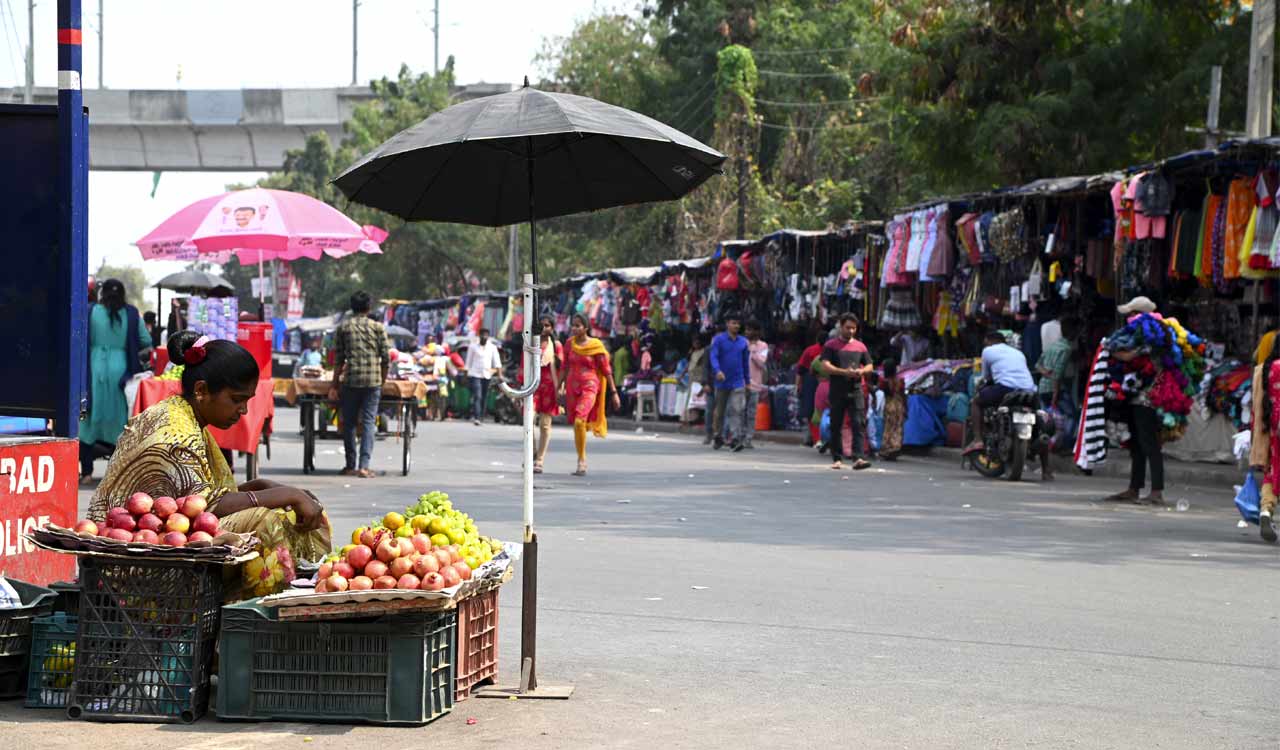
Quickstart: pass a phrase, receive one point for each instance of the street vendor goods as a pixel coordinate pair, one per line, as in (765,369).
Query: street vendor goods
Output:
(1158,363)
(163,520)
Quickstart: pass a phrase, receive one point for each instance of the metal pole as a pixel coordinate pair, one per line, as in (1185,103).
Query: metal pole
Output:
(435,31)
(513,257)
(1262,46)
(73,209)
(29,96)
(529,595)
(1215,100)
(101,85)
(355,39)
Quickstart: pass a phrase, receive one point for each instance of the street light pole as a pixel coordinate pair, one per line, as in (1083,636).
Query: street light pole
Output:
(29,96)
(355,39)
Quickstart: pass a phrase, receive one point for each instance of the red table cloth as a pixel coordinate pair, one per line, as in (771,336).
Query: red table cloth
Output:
(243,436)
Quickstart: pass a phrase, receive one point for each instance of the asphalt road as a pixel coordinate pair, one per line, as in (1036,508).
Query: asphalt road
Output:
(702,599)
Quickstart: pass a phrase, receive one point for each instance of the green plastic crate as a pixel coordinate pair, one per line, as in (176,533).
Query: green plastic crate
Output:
(387,670)
(53,660)
(15,635)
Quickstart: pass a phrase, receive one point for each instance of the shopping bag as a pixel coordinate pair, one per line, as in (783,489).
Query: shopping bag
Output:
(1248,497)
(824,426)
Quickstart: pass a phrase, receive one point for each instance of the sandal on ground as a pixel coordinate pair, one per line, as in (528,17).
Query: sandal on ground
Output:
(837,466)
(861,464)
(537,467)
(366,473)
(86,480)
(1121,497)
(1266,527)
(350,472)
(582,469)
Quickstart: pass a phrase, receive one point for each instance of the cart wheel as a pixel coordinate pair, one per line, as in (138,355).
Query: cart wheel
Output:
(406,439)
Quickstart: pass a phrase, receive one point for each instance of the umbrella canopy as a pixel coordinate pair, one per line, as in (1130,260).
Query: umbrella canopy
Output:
(259,224)
(400,332)
(477,162)
(191,281)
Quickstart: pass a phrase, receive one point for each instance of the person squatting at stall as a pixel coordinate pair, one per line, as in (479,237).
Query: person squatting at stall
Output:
(587,372)
(167,451)
(546,403)
(846,362)
(729,363)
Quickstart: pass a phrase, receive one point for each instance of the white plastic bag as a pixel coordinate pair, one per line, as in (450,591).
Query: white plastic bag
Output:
(9,598)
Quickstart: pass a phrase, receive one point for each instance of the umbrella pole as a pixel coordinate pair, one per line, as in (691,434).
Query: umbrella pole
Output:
(529,578)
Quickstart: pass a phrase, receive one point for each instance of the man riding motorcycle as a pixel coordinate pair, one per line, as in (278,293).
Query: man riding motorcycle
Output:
(1004,370)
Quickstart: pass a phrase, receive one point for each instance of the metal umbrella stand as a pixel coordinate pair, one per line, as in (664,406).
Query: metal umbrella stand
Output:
(483,162)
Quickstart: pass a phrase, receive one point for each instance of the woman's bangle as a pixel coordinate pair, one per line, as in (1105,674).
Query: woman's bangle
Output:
(253,499)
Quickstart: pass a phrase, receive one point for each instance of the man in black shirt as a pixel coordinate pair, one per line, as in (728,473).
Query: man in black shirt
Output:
(846,362)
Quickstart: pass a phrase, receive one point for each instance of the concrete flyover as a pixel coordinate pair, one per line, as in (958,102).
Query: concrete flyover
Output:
(237,130)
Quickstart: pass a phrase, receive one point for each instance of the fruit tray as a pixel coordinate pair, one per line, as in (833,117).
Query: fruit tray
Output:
(145,639)
(228,547)
(15,635)
(53,660)
(387,670)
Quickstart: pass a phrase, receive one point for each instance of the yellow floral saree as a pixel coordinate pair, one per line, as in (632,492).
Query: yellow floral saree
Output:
(164,452)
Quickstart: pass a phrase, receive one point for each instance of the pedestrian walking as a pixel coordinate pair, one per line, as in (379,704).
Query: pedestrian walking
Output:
(757,365)
(1264,454)
(118,344)
(846,362)
(807,384)
(546,400)
(360,360)
(588,372)
(483,362)
(729,363)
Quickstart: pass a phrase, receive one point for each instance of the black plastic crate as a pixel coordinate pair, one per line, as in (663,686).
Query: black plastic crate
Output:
(53,660)
(397,669)
(145,639)
(68,597)
(15,635)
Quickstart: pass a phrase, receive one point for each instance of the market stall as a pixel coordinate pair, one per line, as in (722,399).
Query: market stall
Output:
(403,396)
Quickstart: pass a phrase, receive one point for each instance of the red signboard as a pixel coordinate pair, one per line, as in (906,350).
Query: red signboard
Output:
(37,486)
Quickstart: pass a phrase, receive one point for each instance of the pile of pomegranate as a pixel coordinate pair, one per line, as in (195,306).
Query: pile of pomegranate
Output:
(383,560)
(161,520)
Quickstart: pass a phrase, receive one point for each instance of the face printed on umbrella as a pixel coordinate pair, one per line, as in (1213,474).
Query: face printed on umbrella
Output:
(243,216)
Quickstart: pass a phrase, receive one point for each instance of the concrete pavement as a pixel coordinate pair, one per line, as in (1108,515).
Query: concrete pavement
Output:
(703,599)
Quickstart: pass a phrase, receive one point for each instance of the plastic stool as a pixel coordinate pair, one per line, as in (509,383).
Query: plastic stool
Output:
(646,406)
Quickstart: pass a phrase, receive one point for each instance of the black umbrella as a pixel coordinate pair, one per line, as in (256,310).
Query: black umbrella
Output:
(191,281)
(527,155)
(523,156)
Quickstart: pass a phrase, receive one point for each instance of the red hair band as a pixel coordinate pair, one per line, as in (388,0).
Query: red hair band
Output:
(196,353)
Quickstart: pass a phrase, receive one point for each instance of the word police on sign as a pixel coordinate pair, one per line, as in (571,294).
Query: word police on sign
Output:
(37,487)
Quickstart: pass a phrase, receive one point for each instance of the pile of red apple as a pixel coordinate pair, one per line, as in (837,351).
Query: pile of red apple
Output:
(161,520)
(384,561)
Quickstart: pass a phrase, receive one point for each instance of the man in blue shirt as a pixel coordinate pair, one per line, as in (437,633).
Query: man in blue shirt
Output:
(1005,370)
(729,366)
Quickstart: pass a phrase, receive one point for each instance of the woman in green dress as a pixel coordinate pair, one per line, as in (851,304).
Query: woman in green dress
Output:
(117,343)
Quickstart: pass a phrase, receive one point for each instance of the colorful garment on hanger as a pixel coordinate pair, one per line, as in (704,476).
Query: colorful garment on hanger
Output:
(1240,204)
(1091,437)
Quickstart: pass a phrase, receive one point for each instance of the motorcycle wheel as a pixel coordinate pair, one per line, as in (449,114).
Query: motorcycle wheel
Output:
(987,465)
(1018,459)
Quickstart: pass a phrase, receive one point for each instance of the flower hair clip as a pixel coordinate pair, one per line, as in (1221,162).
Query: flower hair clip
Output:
(196,353)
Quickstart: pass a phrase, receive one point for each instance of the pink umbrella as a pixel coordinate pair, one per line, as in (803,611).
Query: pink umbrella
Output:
(259,224)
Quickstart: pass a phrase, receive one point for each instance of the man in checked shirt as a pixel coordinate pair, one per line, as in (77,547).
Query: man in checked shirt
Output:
(360,363)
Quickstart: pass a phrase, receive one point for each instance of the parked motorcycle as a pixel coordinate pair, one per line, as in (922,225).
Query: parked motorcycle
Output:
(1010,432)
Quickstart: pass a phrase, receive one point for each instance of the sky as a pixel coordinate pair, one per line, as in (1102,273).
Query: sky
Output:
(263,44)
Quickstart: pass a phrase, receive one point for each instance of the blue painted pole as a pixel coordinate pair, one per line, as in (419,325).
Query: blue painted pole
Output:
(73,218)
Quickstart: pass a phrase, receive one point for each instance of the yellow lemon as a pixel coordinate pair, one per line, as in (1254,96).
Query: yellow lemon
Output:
(420,522)
(345,549)
(393,520)
(437,525)
(405,531)
(355,535)
(456,536)
(440,540)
